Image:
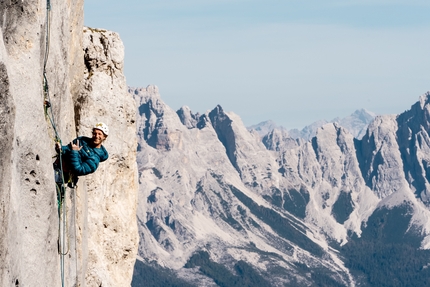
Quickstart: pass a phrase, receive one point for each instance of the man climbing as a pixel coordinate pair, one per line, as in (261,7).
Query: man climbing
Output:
(83,155)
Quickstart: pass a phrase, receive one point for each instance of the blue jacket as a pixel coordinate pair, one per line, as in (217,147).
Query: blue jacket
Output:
(86,160)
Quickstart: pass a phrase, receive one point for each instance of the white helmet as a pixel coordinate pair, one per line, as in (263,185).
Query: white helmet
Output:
(103,127)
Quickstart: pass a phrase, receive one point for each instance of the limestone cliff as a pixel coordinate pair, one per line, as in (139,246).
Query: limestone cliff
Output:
(86,84)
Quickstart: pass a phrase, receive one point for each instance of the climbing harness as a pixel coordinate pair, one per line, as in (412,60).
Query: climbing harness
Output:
(61,183)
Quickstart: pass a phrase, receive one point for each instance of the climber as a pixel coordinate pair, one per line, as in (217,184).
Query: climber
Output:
(82,156)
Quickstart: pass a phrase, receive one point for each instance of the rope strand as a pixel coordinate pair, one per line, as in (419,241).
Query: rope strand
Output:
(61,190)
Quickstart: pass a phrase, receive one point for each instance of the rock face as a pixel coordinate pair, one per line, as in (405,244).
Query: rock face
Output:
(110,193)
(100,210)
(292,211)
(210,190)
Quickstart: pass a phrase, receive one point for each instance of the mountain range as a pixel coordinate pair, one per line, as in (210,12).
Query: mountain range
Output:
(356,124)
(221,205)
(198,198)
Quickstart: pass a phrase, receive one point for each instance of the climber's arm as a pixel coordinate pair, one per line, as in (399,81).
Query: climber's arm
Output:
(80,167)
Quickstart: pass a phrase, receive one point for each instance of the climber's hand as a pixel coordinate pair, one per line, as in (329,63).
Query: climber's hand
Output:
(75,146)
(57,147)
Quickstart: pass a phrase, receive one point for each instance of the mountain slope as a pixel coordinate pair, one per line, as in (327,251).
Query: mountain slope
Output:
(212,196)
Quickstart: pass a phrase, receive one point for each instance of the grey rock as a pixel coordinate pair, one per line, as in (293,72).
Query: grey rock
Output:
(28,239)
(188,119)
(279,139)
(201,194)
(110,194)
(82,90)
(218,189)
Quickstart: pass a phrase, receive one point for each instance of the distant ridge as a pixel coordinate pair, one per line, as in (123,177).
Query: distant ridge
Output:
(356,124)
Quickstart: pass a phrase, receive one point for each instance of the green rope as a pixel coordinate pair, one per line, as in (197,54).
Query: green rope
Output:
(61,190)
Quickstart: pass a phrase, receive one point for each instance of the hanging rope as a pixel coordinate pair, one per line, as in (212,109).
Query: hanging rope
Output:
(76,254)
(61,187)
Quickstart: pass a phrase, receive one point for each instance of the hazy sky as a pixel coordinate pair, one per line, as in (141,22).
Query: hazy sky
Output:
(293,62)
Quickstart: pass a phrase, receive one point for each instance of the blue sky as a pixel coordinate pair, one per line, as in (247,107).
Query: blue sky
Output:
(293,62)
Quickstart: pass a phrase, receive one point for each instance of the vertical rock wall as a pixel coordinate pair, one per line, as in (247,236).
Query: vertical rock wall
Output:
(105,201)
(29,221)
(111,192)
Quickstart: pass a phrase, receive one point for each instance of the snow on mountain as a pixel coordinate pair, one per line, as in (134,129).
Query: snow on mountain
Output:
(211,193)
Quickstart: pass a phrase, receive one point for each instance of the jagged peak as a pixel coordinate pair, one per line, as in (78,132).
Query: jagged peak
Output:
(217,110)
(331,184)
(330,127)
(424,99)
(265,127)
(278,131)
(187,118)
(268,123)
(355,123)
(203,122)
(151,89)
(185,109)
(279,139)
(364,115)
(381,118)
(218,115)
